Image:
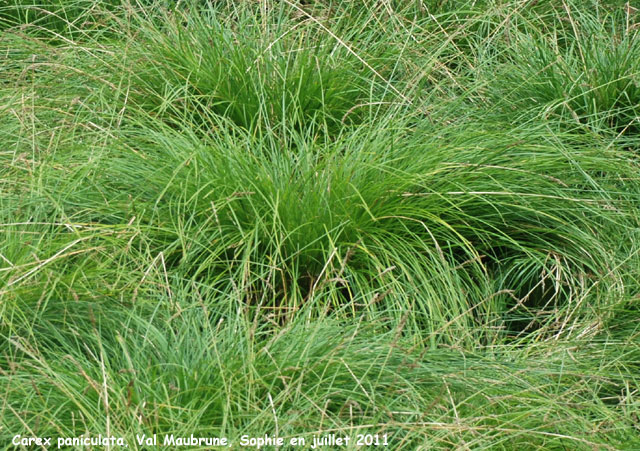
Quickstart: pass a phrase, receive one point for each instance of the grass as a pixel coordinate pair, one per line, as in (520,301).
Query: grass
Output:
(411,219)
(590,74)
(257,73)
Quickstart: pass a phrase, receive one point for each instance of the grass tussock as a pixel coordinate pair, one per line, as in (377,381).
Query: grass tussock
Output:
(411,219)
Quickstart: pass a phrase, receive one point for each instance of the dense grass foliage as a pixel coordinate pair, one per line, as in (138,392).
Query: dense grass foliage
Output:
(257,72)
(590,73)
(231,218)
